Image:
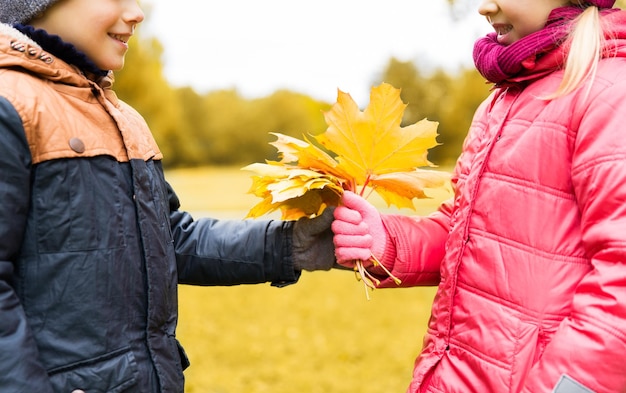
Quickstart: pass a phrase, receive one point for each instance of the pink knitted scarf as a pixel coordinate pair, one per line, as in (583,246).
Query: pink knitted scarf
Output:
(497,62)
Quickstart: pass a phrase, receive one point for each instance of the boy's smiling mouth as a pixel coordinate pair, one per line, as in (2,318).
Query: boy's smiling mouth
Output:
(121,38)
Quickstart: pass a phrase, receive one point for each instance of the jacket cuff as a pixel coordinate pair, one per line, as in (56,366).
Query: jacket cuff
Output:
(287,274)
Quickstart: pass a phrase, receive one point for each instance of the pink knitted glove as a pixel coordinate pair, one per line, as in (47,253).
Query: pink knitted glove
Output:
(359,231)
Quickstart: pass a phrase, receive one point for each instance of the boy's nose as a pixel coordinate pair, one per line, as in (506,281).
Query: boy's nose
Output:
(133,14)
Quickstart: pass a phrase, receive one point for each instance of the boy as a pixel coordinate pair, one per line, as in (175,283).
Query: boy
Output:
(92,241)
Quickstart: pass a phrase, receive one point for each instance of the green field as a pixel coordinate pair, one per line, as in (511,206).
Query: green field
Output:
(319,335)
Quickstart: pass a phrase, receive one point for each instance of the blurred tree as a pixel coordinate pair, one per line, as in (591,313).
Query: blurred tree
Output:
(142,84)
(466,92)
(239,129)
(293,113)
(193,141)
(217,128)
(226,113)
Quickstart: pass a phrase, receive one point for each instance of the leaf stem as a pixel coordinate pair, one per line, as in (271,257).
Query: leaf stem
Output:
(376,262)
(369,281)
(362,276)
(365,183)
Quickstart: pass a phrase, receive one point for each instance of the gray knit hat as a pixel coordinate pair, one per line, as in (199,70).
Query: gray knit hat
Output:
(22,11)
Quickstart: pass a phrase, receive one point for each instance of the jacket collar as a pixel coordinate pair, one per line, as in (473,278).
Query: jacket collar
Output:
(61,62)
(65,51)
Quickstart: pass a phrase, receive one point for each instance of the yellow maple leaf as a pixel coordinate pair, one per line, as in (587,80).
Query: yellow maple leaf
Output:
(295,191)
(304,154)
(364,149)
(373,141)
(399,189)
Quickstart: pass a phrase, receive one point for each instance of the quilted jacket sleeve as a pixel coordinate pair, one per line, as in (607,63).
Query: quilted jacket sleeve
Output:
(231,252)
(590,344)
(419,245)
(20,369)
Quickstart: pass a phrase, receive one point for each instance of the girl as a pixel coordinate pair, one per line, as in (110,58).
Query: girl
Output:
(530,255)
(92,241)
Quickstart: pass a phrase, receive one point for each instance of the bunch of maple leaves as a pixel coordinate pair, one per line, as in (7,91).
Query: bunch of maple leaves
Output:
(361,151)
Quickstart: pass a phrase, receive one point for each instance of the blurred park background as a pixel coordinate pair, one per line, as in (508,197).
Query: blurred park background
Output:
(322,334)
(225,128)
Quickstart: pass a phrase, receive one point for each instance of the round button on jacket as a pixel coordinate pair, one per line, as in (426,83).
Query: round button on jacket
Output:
(77,145)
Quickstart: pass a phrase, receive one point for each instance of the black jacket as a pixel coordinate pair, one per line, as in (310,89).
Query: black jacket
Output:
(92,241)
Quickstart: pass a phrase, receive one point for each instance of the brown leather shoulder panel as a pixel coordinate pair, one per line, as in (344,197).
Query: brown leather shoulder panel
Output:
(64,121)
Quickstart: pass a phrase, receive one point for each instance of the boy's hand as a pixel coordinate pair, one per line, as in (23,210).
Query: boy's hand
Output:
(313,242)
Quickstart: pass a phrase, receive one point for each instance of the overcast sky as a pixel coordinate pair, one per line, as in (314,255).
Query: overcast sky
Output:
(312,47)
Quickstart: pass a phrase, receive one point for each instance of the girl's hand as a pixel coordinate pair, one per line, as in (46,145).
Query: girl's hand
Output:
(359,231)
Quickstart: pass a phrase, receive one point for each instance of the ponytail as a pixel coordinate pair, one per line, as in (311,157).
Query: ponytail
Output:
(585,50)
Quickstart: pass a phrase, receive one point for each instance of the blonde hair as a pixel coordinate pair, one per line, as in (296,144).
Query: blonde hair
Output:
(585,43)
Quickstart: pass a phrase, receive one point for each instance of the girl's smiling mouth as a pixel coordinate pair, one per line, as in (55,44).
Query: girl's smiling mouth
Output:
(502,30)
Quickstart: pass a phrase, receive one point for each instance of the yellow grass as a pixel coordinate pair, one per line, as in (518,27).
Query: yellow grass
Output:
(319,335)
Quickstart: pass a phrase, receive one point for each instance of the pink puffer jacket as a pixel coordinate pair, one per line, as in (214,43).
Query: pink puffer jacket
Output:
(530,256)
